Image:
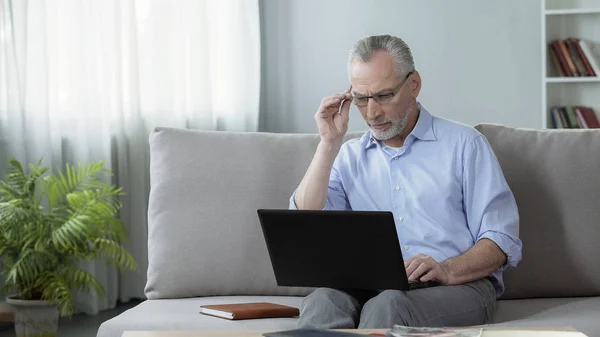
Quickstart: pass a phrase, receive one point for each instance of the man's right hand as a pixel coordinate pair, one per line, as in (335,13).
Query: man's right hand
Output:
(331,120)
(333,124)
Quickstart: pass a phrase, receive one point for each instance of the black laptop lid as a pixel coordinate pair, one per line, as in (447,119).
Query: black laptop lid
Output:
(334,249)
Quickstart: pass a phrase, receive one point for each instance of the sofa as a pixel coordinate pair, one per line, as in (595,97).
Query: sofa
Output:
(205,245)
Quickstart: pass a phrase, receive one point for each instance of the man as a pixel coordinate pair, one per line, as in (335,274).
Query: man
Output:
(456,216)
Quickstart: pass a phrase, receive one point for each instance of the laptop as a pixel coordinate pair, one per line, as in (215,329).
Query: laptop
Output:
(335,249)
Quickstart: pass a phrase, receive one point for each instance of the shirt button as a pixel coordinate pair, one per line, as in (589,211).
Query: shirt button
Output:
(405,247)
(401,218)
(397,188)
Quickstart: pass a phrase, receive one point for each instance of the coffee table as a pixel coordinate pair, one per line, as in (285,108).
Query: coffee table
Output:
(487,332)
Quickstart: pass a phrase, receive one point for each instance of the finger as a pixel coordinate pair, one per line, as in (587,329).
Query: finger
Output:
(330,104)
(431,275)
(326,114)
(420,271)
(409,261)
(339,96)
(327,100)
(345,110)
(414,264)
(418,256)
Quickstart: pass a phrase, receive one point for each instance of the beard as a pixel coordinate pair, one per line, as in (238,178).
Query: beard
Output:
(396,126)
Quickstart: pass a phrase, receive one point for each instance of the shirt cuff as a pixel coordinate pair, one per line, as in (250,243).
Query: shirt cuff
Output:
(293,202)
(293,206)
(507,245)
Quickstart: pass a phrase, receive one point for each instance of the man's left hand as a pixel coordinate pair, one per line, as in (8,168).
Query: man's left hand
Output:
(424,268)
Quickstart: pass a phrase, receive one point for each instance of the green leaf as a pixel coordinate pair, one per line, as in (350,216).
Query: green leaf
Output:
(58,291)
(115,252)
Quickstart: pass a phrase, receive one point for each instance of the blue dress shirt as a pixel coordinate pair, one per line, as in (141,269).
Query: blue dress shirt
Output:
(444,186)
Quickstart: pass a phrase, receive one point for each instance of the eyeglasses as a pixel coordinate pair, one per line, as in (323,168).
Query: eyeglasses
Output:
(381,98)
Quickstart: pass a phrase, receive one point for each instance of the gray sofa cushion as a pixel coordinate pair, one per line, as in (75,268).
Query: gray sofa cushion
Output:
(204,237)
(183,314)
(555,176)
(579,313)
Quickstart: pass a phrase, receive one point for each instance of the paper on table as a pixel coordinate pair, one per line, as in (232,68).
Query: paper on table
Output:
(531,333)
(404,331)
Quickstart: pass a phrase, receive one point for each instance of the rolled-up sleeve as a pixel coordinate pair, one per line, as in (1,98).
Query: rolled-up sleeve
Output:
(336,196)
(490,205)
(293,201)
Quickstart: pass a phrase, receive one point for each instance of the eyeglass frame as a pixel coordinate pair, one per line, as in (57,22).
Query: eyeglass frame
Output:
(376,97)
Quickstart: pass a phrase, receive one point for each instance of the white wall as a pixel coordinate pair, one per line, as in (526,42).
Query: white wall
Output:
(479,60)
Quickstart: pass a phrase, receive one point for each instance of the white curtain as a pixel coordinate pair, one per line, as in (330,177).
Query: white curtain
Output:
(85,80)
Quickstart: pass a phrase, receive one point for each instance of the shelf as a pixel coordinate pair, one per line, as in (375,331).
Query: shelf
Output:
(588,79)
(562,19)
(572,11)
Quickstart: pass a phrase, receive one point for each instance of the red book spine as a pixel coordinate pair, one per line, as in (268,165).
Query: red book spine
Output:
(586,63)
(561,58)
(565,52)
(590,117)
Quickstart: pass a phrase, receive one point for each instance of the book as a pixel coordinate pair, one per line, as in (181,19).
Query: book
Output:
(584,58)
(238,311)
(581,69)
(567,55)
(580,118)
(561,58)
(556,120)
(589,116)
(573,124)
(562,112)
(589,50)
(556,61)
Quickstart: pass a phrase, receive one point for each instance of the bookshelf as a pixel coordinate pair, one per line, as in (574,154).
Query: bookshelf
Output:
(562,19)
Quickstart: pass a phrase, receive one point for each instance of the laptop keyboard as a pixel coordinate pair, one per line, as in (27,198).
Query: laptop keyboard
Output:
(413,285)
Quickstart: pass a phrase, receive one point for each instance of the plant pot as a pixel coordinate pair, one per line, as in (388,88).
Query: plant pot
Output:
(34,318)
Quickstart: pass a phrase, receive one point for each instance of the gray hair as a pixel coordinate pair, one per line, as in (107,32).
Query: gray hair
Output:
(364,48)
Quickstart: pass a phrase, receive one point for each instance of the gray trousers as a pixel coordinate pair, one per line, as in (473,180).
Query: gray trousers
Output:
(468,304)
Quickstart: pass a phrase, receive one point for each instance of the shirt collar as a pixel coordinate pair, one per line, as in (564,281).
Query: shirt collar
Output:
(423,130)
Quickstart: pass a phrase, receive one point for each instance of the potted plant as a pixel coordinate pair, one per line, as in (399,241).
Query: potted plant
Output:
(49,224)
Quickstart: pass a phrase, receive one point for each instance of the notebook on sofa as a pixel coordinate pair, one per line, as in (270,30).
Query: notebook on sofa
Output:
(238,311)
